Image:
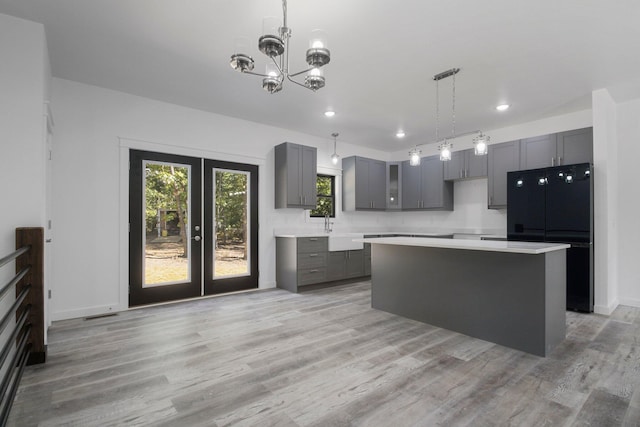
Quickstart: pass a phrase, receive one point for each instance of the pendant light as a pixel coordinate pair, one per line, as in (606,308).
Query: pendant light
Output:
(334,156)
(446,146)
(480,144)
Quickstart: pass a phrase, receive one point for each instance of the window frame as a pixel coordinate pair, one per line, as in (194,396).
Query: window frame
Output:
(331,196)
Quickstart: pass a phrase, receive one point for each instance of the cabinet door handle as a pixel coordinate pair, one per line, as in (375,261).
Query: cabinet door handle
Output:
(313,255)
(313,271)
(559,161)
(313,239)
(553,161)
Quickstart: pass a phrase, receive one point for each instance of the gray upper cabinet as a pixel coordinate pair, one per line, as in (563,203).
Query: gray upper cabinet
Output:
(564,148)
(295,176)
(502,158)
(465,165)
(575,146)
(394,186)
(363,184)
(424,187)
(538,152)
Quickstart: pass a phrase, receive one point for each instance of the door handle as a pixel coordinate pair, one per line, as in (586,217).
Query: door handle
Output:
(197,238)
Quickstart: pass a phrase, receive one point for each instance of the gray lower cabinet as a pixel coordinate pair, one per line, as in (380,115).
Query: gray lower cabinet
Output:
(465,165)
(503,158)
(302,261)
(424,187)
(295,176)
(367,259)
(345,264)
(364,183)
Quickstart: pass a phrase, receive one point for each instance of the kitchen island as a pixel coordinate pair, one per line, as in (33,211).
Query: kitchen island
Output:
(510,293)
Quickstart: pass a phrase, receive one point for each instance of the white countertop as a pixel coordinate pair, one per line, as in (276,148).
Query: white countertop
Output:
(474,245)
(378,233)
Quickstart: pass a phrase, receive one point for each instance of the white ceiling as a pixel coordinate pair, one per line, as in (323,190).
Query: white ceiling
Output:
(543,57)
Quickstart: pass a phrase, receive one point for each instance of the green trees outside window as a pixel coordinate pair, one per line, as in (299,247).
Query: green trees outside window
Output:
(326,197)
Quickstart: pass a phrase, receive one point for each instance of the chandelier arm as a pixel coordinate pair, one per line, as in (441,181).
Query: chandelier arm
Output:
(298,83)
(301,72)
(255,74)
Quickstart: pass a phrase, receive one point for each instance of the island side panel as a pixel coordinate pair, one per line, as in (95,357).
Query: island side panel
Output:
(556,298)
(499,297)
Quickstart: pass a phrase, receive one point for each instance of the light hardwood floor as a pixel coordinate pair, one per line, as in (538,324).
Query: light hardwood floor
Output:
(323,358)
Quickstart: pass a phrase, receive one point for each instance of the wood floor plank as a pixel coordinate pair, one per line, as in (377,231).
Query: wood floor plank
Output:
(323,357)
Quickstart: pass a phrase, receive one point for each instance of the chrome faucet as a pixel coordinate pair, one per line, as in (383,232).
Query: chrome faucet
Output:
(327,224)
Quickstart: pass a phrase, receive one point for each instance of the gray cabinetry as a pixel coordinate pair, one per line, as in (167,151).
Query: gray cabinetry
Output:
(575,146)
(363,184)
(502,158)
(564,148)
(424,187)
(301,261)
(538,152)
(295,176)
(465,165)
(345,264)
(394,186)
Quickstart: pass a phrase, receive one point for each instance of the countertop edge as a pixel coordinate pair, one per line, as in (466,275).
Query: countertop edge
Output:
(474,245)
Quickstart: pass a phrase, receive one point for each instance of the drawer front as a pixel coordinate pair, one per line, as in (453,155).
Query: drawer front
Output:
(313,244)
(312,259)
(309,276)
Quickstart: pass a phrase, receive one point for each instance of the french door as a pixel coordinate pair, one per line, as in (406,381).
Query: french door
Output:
(190,236)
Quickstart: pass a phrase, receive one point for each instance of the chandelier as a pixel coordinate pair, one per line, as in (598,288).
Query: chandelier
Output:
(480,142)
(274,43)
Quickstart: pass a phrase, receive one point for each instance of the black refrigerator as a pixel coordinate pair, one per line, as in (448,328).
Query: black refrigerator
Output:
(556,205)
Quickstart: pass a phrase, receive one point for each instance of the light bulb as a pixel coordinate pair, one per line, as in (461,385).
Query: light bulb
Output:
(334,158)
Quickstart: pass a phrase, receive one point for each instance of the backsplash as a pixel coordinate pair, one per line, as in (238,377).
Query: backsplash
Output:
(470,215)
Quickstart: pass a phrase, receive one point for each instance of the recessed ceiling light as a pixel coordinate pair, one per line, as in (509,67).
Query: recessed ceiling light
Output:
(329,113)
(502,107)
(400,134)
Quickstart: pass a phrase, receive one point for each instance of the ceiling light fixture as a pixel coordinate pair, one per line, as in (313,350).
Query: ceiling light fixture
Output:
(275,44)
(480,144)
(400,134)
(445,146)
(502,107)
(329,113)
(334,156)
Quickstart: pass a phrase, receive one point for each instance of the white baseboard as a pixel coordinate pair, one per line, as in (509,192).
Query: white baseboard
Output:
(84,312)
(606,309)
(267,285)
(633,302)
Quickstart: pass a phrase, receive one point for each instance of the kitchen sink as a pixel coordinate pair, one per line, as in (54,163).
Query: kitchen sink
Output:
(344,241)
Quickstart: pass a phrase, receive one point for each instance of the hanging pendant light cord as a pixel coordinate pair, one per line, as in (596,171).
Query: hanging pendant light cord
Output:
(453,129)
(437,110)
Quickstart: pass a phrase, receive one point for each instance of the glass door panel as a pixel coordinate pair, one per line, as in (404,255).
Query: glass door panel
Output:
(164,222)
(167,216)
(231,223)
(231,210)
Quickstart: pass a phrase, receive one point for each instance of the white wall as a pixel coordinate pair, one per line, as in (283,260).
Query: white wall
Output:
(24,77)
(22,84)
(627,252)
(94,129)
(605,163)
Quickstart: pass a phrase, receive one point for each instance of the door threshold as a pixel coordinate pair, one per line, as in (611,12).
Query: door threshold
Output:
(243,291)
